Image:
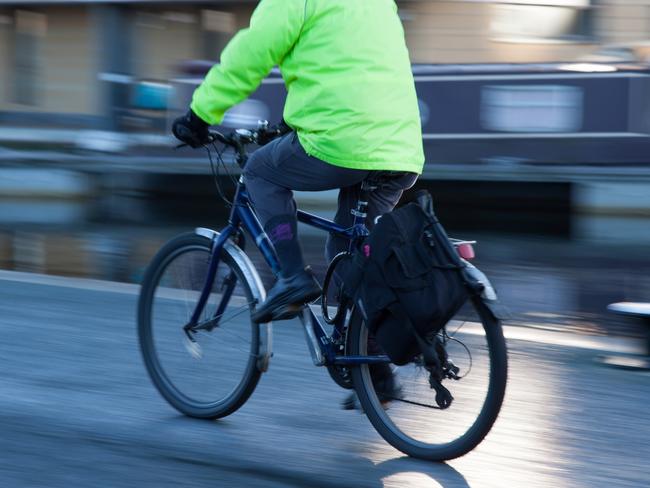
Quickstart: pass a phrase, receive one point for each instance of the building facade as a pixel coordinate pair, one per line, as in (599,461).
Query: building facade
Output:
(64,62)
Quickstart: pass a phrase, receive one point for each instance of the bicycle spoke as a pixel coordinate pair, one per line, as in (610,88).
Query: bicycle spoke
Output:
(203,326)
(436,419)
(228,352)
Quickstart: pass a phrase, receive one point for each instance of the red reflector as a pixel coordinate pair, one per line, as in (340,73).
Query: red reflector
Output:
(466,251)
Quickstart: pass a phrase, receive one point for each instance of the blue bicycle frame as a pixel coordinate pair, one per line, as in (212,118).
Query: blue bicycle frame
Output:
(321,345)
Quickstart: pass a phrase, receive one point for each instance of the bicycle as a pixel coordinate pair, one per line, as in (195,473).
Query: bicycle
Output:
(201,288)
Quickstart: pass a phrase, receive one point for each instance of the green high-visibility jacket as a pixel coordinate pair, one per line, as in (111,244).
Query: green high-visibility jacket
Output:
(351,94)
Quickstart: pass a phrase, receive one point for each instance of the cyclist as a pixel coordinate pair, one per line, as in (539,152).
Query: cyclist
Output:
(351,107)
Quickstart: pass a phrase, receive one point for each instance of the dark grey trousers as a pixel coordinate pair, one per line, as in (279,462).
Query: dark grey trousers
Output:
(281,166)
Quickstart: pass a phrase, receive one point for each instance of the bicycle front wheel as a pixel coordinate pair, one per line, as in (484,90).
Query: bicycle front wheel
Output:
(408,417)
(213,373)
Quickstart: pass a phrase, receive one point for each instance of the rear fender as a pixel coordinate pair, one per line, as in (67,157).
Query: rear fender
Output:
(489,295)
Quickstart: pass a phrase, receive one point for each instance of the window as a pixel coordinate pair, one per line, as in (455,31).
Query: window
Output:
(29,27)
(554,21)
(531,108)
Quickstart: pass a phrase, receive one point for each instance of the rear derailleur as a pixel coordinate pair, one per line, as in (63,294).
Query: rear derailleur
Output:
(440,367)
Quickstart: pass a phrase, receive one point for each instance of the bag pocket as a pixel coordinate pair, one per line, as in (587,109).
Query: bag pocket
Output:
(408,267)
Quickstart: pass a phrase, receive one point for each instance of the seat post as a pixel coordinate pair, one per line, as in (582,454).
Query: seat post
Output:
(360,213)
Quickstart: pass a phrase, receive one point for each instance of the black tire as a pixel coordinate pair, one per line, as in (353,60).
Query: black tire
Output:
(211,391)
(427,425)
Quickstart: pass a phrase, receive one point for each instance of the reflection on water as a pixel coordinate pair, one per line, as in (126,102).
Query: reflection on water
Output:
(551,281)
(110,253)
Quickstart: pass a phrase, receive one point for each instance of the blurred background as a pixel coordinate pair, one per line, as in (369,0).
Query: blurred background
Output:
(535,117)
(536,122)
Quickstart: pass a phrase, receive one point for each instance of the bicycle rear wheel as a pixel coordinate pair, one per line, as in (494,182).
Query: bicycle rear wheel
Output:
(411,421)
(213,375)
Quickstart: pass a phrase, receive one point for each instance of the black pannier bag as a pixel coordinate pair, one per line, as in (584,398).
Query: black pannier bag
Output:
(407,279)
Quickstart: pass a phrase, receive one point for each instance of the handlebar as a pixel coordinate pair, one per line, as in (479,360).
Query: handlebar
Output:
(236,139)
(241,138)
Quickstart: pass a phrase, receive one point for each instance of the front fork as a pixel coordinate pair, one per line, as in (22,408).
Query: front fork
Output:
(230,283)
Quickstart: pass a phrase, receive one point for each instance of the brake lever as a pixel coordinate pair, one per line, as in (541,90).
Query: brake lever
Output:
(218,137)
(212,137)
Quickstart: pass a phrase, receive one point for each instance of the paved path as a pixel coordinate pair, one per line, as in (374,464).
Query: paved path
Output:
(77,409)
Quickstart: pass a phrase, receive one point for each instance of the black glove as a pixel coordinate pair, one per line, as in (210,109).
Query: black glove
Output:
(191,130)
(267,135)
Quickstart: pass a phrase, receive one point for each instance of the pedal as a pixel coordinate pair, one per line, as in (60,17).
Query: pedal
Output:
(193,348)
(444,398)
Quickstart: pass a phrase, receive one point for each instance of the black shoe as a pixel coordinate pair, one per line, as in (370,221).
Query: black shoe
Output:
(387,389)
(351,402)
(287,297)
